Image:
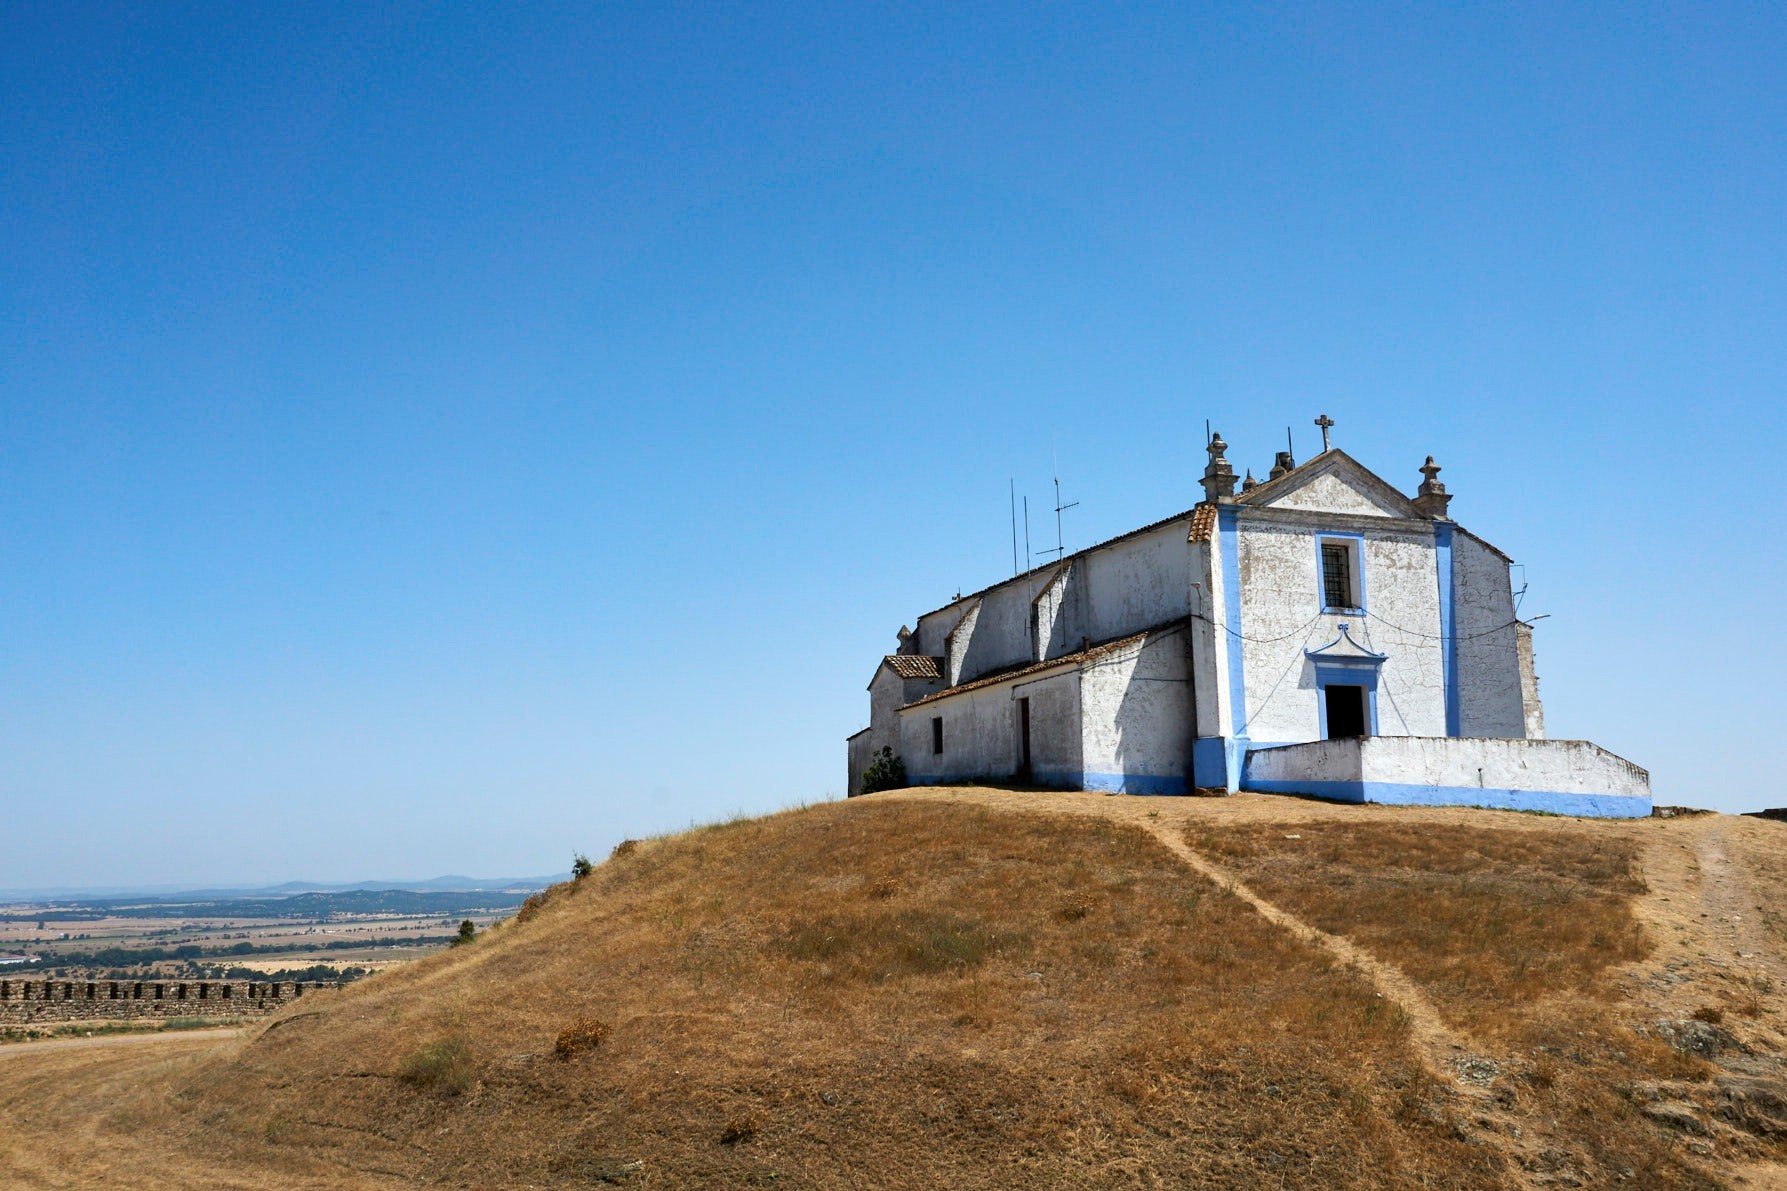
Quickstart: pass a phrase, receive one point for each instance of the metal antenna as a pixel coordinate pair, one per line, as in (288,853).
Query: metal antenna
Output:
(1060,542)
(1206,432)
(1288,448)
(1014,525)
(1027,555)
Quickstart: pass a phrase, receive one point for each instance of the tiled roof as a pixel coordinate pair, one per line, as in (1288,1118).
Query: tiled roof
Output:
(914,665)
(1066,659)
(1203,522)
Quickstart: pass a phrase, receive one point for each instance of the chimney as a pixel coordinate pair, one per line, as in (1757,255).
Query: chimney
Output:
(1219,477)
(1281,464)
(1431,497)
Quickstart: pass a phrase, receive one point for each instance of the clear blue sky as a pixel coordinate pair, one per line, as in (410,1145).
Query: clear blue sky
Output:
(435,440)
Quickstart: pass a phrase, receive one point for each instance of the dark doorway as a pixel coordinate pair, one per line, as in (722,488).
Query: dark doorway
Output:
(1346,712)
(1024,773)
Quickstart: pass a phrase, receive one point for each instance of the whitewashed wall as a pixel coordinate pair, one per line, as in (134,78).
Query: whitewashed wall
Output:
(1052,638)
(1134,584)
(859,754)
(934,628)
(1137,716)
(1489,695)
(1571,777)
(1111,592)
(1531,705)
(980,731)
(1055,738)
(999,636)
(1281,616)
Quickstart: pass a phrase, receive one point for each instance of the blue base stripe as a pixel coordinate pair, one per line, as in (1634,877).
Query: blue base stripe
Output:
(1135,783)
(1556,802)
(1113,783)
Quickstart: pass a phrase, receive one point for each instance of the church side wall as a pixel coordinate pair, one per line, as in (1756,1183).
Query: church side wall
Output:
(981,737)
(886,694)
(859,754)
(1135,584)
(955,646)
(1056,757)
(1529,683)
(1111,592)
(1137,722)
(1281,617)
(1000,635)
(1489,688)
(1052,629)
(934,628)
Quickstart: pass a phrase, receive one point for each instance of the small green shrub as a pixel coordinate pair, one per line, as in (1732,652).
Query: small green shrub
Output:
(444,1066)
(468,930)
(581,867)
(885,772)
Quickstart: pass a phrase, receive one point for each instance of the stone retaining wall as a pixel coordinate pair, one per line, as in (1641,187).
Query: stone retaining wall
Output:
(31,1002)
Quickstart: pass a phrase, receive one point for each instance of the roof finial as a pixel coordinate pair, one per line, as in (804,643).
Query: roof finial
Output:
(1219,476)
(1431,497)
(1325,422)
(1249,484)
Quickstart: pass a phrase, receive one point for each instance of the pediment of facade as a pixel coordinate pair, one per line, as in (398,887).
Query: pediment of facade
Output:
(1333,482)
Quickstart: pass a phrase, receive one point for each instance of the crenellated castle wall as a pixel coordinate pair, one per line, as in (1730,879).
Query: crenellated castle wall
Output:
(34,1002)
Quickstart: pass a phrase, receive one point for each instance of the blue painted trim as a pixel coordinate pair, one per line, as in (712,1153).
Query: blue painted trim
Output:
(1557,802)
(1135,783)
(1209,767)
(1352,676)
(1235,746)
(1321,588)
(1345,670)
(1231,599)
(1073,779)
(1442,563)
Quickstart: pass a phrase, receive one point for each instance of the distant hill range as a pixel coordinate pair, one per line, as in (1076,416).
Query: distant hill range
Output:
(180,894)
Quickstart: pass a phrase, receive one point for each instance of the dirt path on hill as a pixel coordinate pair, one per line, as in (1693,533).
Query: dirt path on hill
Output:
(1720,949)
(1450,1055)
(1440,1045)
(1715,952)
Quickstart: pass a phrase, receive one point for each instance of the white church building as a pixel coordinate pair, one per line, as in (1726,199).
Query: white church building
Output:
(1319,633)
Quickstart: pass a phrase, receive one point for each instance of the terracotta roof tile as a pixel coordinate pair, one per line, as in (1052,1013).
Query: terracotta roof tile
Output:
(914,665)
(1066,659)
(1203,522)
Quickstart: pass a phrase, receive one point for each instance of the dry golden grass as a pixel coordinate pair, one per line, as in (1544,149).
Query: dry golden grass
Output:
(854,995)
(1485,920)
(1513,936)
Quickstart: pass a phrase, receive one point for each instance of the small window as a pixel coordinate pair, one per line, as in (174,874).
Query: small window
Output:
(1339,589)
(936,736)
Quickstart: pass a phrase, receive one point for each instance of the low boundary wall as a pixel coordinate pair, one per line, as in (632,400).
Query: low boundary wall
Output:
(34,1002)
(1562,777)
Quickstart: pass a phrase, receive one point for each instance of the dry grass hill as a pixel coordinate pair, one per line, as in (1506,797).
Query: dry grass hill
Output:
(976,988)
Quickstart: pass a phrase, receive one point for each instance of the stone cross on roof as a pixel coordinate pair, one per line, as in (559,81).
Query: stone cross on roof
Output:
(1325,422)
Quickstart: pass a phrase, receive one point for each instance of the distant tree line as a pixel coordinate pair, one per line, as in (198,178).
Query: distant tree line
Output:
(301,905)
(112,957)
